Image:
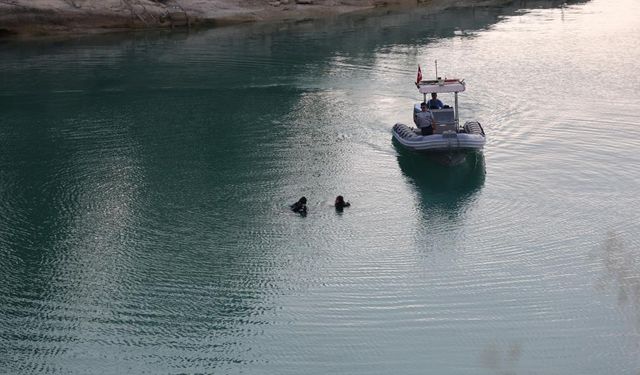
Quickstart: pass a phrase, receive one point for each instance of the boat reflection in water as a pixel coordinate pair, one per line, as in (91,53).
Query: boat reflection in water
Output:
(443,188)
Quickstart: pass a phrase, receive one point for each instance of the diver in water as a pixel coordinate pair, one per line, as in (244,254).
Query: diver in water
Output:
(300,206)
(340,203)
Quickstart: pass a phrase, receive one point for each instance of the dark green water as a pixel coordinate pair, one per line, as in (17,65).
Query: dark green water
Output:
(145,182)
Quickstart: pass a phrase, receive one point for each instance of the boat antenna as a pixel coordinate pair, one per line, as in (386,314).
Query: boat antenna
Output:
(436,61)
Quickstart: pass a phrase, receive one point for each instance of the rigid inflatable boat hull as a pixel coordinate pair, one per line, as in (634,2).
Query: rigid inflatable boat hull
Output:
(410,138)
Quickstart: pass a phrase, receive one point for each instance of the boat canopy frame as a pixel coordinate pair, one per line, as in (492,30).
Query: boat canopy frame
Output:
(451,85)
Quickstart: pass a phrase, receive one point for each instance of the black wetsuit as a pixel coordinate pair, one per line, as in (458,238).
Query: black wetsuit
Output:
(299,207)
(341,205)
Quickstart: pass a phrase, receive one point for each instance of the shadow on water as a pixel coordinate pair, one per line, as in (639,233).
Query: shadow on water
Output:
(441,186)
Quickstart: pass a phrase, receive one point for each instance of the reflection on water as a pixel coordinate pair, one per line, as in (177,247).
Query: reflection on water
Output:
(442,186)
(501,360)
(622,272)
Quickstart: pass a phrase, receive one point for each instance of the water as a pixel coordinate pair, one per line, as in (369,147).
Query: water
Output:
(145,178)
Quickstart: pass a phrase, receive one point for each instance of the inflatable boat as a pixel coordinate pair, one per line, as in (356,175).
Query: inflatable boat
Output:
(447,134)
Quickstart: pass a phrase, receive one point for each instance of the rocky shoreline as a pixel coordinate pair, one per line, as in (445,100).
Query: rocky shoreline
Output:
(27,18)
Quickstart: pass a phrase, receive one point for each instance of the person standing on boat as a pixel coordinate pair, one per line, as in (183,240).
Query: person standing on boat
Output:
(424,120)
(434,102)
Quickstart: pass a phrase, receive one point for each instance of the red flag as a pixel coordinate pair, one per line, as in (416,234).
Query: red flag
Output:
(419,78)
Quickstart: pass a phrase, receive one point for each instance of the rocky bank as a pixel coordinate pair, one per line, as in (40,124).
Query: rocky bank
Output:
(45,17)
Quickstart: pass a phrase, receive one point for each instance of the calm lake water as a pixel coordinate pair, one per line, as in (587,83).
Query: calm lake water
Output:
(145,182)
